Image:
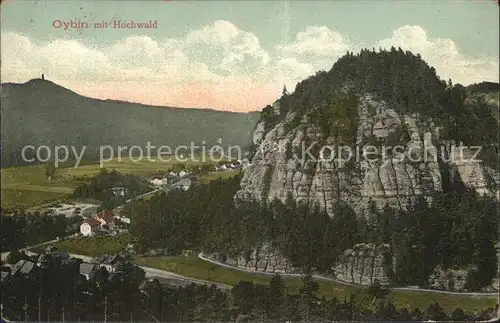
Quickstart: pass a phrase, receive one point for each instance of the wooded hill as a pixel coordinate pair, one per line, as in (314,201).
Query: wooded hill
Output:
(407,84)
(40,112)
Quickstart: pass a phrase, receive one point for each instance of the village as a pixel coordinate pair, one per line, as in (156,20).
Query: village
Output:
(110,222)
(87,268)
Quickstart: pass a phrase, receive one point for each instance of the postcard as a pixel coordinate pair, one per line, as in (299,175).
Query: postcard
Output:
(250,161)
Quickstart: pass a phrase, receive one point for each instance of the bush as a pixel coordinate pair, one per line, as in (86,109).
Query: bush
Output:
(376,290)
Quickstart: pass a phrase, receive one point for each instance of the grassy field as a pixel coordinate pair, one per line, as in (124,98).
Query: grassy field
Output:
(21,198)
(91,246)
(27,186)
(196,268)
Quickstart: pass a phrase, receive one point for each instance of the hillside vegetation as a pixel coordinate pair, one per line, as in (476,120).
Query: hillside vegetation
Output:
(408,85)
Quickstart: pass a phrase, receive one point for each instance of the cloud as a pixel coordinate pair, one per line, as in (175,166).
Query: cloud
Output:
(317,41)
(215,66)
(228,48)
(315,48)
(444,55)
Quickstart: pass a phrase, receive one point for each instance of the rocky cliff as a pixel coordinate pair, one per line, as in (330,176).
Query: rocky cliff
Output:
(364,264)
(396,157)
(264,259)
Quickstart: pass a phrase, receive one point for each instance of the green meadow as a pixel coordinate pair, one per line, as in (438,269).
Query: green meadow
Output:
(28,188)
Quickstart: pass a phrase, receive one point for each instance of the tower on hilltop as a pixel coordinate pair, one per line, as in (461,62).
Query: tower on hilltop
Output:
(285,92)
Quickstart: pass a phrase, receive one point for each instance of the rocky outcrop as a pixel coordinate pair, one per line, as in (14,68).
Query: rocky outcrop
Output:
(258,133)
(287,162)
(264,259)
(364,264)
(452,279)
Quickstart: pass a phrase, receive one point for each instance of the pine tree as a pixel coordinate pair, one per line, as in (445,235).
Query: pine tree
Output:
(277,295)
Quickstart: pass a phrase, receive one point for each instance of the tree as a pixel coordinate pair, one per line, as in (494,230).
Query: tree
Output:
(458,315)
(50,170)
(435,312)
(308,298)
(244,296)
(417,314)
(375,290)
(277,294)
(386,311)
(471,282)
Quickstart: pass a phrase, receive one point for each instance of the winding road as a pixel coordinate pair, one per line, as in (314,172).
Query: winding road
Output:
(158,273)
(163,274)
(329,279)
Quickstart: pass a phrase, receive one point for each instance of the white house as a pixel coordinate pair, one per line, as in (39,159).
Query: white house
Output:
(89,227)
(110,262)
(88,270)
(183,173)
(123,219)
(119,191)
(158,181)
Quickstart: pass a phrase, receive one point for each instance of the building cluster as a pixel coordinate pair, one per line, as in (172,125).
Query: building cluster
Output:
(113,264)
(31,268)
(175,181)
(119,191)
(168,179)
(238,164)
(184,178)
(104,222)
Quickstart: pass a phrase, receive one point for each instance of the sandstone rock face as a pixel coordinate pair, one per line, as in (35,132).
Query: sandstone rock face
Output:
(283,164)
(258,133)
(263,259)
(363,264)
(450,279)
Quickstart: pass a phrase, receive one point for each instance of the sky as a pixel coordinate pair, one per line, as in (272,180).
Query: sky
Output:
(234,55)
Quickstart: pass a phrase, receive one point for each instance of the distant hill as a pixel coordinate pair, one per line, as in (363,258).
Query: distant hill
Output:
(40,112)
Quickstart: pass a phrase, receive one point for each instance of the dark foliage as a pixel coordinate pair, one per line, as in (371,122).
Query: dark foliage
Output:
(455,231)
(19,230)
(100,188)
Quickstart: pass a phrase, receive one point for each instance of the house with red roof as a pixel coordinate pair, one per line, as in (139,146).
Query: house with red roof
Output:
(100,222)
(90,227)
(105,218)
